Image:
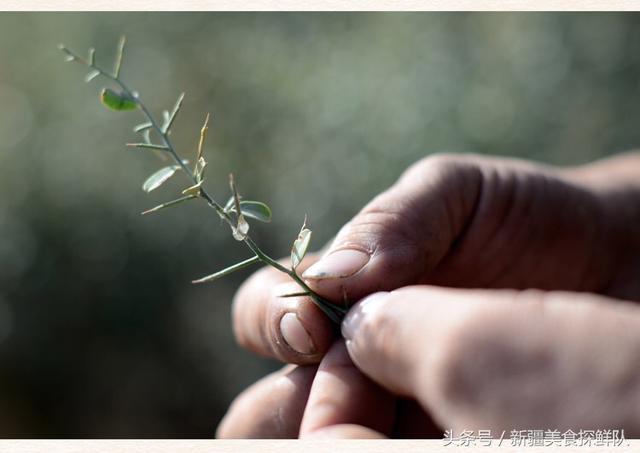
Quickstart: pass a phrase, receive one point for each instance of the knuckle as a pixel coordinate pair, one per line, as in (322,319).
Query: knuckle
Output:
(436,161)
(443,167)
(397,215)
(380,226)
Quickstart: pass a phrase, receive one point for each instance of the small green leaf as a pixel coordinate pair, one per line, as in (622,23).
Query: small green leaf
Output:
(256,210)
(300,245)
(228,270)
(92,75)
(158,178)
(143,127)
(168,204)
(252,209)
(117,101)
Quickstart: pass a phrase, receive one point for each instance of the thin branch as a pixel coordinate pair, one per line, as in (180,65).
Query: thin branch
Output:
(334,312)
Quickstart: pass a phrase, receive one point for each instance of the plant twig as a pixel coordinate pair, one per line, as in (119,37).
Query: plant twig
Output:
(333,311)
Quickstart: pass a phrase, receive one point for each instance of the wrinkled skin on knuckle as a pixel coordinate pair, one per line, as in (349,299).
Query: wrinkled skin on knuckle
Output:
(414,223)
(506,215)
(377,228)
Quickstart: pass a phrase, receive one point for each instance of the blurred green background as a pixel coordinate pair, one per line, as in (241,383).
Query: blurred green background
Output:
(101,333)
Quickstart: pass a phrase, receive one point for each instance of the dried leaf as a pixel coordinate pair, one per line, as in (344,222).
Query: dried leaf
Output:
(241,230)
(194,190)
(201,163)
(300,245)
(199,169)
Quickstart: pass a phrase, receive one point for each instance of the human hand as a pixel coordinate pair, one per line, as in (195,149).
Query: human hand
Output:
(472,359)
(461,221)
(576,222)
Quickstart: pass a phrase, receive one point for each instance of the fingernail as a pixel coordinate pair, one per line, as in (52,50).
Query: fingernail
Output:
(366,307)
(339,264)
(295,335)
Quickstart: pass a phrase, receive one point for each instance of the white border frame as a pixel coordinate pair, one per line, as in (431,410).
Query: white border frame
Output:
(320,5)
(302,446)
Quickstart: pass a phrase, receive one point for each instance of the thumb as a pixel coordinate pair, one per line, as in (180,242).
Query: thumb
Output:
(503,359)
(400,234)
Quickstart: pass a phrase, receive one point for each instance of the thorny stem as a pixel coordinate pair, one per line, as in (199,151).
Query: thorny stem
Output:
(333,311)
